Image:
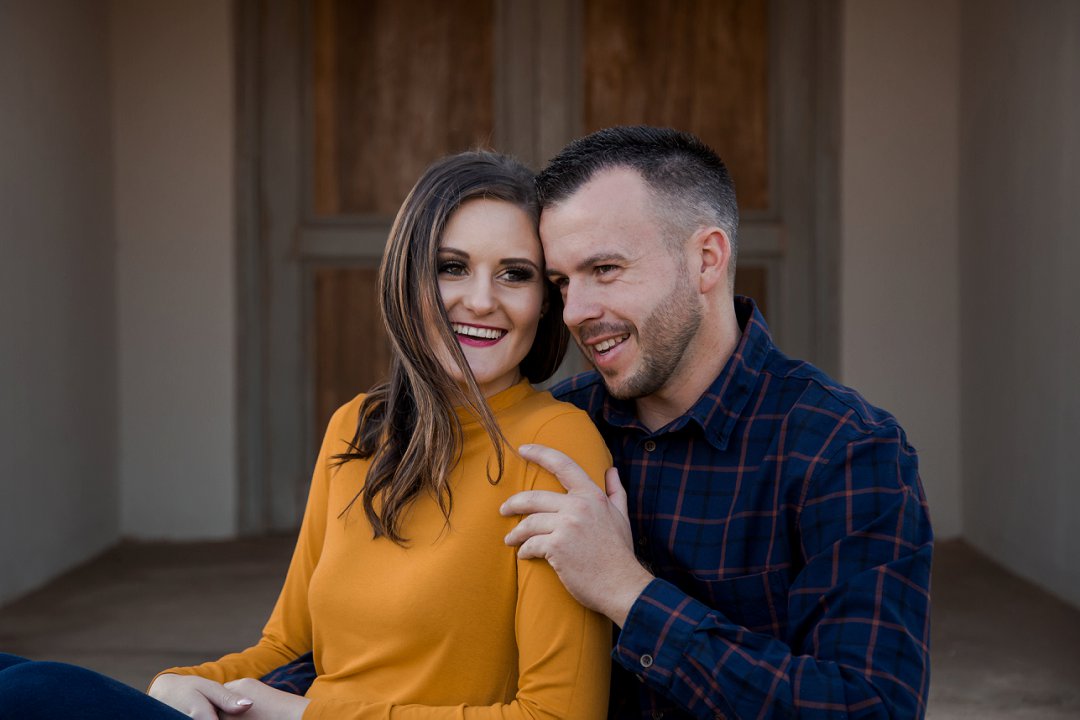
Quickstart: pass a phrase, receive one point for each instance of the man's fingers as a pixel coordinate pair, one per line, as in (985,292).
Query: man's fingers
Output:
(560,465)
(534,547)
(532,501)
(615,491)
(536,524)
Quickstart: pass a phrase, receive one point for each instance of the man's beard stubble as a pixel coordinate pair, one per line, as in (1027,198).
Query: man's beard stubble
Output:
(662,340)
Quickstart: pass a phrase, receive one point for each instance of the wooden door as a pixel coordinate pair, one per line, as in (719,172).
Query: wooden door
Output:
(343,103)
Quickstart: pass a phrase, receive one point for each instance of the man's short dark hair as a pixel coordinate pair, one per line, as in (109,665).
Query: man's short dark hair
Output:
(688,180)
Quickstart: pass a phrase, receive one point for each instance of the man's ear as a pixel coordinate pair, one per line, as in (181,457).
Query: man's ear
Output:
(714,251)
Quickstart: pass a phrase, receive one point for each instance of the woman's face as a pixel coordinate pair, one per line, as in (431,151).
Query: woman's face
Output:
(491,281)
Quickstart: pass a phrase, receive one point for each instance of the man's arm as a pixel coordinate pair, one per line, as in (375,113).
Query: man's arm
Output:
(857,612)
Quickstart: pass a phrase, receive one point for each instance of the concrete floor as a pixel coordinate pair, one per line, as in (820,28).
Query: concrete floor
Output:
(1002,649)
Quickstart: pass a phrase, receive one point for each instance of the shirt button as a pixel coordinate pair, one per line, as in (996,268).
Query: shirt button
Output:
(646,661)
(649,446)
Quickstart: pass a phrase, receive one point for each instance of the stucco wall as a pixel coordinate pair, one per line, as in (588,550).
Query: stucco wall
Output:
(58,450)
(172,68)
(1020,220)
(900,308)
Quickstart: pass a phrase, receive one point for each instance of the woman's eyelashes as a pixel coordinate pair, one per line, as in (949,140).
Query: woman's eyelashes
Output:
(452,267)
(509,273)
(518,273)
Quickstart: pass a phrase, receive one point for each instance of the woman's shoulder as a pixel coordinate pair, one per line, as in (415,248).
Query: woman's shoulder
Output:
(342,424)
(540,418)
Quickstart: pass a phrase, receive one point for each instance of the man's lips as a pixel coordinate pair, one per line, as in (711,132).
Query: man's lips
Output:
(605,344)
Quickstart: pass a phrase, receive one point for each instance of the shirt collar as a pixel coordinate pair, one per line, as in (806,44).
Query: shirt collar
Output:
(721,405)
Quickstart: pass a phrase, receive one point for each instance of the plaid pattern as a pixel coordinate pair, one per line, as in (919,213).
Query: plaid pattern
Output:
(784,519)
(295,677)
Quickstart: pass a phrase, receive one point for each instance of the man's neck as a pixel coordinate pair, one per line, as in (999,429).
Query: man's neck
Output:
(702,363)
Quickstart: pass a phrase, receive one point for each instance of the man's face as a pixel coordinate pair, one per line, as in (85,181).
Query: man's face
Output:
(629,300)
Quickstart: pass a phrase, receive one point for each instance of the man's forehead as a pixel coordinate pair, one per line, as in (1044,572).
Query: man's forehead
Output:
(608,187)
(612,197)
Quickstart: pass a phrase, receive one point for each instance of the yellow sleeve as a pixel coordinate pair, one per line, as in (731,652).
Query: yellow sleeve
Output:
(563,649)
(287,633)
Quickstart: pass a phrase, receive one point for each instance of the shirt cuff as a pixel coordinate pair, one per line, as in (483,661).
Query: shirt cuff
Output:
(657,631)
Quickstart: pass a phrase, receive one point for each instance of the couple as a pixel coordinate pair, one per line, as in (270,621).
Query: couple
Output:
(762,541)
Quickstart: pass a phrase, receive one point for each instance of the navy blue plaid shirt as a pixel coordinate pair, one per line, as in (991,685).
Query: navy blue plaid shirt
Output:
(784,519)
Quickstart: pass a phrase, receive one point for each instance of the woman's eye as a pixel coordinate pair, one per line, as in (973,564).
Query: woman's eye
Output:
(451,267)
(518,274)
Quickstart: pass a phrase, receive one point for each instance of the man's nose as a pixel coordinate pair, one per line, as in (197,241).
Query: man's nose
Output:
(579,305)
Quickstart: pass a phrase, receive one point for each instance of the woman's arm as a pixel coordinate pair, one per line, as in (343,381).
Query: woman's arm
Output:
(287,633)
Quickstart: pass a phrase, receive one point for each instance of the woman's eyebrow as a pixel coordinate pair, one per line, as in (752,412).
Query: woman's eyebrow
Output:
(520,261)
(454,251)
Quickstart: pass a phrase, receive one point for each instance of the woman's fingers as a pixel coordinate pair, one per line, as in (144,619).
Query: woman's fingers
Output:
(198,697)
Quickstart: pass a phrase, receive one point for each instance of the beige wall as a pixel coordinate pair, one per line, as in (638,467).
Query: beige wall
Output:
(900,325)
(58,457)
(1020,220)
(172,68)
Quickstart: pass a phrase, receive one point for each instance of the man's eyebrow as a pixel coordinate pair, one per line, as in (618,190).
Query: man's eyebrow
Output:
(592,261)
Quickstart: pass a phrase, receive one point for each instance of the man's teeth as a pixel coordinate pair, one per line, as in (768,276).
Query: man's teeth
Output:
(478,332)
(608,344)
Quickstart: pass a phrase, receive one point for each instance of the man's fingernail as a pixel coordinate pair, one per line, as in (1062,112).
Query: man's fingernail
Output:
(245,702)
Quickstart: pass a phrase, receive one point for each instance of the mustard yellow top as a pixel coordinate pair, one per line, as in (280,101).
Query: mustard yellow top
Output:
(453,625)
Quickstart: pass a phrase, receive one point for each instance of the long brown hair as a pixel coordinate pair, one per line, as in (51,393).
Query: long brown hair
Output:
(408,425)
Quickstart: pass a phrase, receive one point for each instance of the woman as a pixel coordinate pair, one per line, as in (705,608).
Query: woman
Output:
(401,583)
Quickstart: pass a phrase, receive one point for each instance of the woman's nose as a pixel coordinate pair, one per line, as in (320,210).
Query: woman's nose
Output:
(480,297)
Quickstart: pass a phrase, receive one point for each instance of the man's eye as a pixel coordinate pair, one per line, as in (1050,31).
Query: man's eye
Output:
(605,269)
(451,267)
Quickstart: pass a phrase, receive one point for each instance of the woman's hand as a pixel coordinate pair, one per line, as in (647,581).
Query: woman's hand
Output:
(198,697)
(268,703)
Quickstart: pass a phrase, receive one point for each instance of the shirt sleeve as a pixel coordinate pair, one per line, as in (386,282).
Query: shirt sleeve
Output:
(287,634)
(857,638)
(563,649)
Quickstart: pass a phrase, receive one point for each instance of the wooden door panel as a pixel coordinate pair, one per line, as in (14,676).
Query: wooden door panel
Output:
(696,65)
(394,85)
(352,352)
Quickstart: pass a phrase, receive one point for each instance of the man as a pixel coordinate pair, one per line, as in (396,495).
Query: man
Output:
(764,546)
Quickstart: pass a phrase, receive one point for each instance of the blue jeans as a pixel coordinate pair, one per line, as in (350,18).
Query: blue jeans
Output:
(50,691)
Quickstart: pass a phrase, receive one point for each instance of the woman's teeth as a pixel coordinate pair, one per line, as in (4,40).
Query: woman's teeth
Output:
(603,347)
(478,332)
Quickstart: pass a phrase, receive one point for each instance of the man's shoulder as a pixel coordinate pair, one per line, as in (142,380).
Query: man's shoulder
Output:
(805,394)
(585,390)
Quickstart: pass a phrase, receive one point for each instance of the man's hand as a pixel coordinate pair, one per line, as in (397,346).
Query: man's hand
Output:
(269,703)
(198,697)
(584,535)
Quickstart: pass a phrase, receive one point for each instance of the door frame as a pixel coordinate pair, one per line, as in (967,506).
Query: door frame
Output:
(538,106)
